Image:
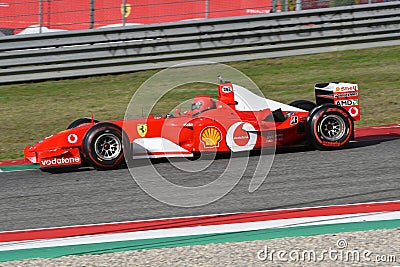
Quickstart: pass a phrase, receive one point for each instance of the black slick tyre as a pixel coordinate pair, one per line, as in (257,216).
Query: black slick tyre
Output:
(80,121)
(329,127)
(102,146)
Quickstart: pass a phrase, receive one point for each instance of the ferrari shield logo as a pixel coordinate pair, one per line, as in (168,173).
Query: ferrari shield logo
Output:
(142,129)
(126,10)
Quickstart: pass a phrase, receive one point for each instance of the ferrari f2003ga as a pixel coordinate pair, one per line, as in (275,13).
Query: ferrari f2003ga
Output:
(238,121)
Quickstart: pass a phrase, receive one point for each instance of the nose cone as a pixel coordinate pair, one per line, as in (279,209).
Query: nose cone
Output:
(30,154)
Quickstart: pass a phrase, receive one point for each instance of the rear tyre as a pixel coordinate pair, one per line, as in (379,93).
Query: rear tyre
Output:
(102,146)
(329,127)
(303,104)
(80,121)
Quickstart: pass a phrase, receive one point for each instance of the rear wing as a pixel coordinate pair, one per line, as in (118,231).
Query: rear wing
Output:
(341,94)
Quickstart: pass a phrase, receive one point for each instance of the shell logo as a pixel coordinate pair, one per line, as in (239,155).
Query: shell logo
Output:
(211,136)
(337,89)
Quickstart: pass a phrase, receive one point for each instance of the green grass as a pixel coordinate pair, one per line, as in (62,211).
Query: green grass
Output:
(32,111)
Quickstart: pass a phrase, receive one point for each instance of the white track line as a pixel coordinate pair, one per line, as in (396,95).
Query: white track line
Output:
(199,230)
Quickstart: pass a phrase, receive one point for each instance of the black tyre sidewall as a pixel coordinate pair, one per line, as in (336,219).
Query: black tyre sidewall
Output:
(80,121)
(315,118)
(89,141)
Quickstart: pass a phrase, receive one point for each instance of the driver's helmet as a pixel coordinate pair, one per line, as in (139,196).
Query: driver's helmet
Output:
(202,103)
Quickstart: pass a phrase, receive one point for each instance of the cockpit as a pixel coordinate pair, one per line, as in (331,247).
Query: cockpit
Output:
(196,105)
(201,104)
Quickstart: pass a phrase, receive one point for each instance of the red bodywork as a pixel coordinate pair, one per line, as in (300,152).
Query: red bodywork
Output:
(217,126)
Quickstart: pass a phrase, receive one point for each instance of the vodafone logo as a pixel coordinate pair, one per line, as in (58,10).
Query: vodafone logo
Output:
(353,111)
(60,161)
(239,137)
(72,138)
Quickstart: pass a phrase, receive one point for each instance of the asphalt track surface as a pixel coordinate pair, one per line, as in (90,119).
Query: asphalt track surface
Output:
(366,171)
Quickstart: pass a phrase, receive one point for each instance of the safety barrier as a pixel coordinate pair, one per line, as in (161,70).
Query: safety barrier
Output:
(119,50)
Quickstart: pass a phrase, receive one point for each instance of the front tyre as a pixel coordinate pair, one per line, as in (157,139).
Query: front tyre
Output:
(329,127)
(102,146)
(80,121)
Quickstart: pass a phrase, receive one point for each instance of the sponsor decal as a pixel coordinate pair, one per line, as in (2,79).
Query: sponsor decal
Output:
(226,89)
(211,136)
(189,124)
(347,88)
(294,120)
(269,139)
(126,10)
(72,138)
(240,136)
(326,143)
(141,129)
(346,103)
(238,139)
(60,161)
(353,111)
(346,94)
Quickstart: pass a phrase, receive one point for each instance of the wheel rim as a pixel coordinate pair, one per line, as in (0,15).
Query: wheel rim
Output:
(332,128)
(107,146)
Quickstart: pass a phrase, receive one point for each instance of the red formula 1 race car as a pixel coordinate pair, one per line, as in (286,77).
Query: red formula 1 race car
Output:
(238,121)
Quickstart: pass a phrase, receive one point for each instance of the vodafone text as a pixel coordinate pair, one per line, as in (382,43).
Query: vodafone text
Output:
(60,161)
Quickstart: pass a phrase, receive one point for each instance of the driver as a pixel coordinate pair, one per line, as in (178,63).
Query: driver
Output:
(201,104)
